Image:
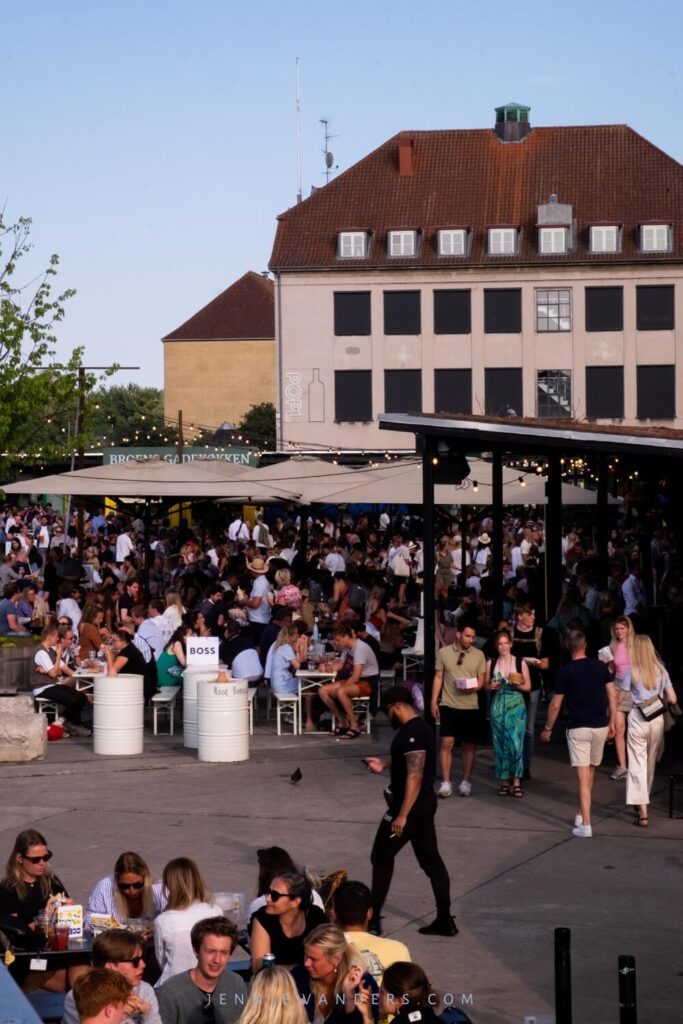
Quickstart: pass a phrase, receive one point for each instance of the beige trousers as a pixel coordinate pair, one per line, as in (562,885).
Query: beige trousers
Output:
(645,742)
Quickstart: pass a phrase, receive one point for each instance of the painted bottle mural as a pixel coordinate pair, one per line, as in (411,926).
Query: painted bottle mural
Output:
(316,399)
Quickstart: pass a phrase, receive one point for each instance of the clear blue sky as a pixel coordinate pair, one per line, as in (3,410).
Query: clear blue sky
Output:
(153,141)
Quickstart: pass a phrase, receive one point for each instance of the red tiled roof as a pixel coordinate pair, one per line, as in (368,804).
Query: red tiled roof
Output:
(608,173)
(245,310)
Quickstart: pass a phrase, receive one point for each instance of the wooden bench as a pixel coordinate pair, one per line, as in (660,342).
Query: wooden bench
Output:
(165,701)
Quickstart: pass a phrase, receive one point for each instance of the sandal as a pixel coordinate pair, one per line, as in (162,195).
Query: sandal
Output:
(504,789)
(517,792)
(339,731)
(350,734)
(641,822)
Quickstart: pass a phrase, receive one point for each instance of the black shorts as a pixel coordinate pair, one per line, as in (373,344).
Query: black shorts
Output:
(464,726)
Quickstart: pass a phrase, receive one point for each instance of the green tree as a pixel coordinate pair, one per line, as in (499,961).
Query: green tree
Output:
(258,423)
(132,416)
(38,397)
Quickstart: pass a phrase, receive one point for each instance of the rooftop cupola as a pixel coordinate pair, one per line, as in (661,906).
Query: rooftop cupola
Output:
(512,122)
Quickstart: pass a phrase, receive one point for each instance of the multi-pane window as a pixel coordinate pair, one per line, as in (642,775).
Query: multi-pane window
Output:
(552,240)
(554,394)
(655,237)
(403,391)
(453,242)
(605,239)
(502,241)
(655,307)
(553,309)
(502,310)
(352,396)
(351,313)
(605,309)
(403,243)
(656,387)
(402,313)
(604,392)
(352,245)
(452,311)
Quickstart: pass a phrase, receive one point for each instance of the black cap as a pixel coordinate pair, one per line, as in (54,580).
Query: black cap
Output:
(396,695)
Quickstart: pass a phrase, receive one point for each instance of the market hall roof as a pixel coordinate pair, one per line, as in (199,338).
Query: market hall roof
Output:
(243,312)
(428,181)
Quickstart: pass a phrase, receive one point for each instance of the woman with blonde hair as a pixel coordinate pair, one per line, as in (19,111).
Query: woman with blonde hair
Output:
(648,683)
(187,901)
(273,999)
(621,646)
(283,663)
(174,609)
(129,894)
(334,975)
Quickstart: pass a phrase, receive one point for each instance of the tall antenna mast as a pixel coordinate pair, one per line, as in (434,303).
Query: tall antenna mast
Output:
(329,156)
(298,134)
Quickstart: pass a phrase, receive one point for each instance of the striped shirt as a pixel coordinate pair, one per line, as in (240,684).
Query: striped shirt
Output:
(103,899)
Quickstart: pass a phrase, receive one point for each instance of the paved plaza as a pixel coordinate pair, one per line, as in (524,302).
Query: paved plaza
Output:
(516,871)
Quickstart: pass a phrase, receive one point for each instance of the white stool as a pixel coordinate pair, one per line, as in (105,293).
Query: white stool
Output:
(412,658)
(251,697)
(47,707)
(165,701)
(287,704)
(361,709)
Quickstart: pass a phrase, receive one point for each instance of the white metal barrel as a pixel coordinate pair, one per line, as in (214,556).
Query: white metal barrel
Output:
(191,676)
(118,715)
(223,720)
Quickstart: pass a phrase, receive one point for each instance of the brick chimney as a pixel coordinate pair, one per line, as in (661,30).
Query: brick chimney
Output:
(406,157)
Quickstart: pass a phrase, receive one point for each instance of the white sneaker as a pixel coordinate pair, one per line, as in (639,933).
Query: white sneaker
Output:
(618,774)
(465,788)
(445,789)
(578,820)
(582,832)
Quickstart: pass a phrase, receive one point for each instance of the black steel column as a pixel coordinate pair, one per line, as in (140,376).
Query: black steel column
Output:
(563,976)
(602,521)
(553,529)
(497,516)
(429,602)
(628,1007)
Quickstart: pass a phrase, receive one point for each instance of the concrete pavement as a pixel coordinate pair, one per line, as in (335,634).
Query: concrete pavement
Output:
(516,871)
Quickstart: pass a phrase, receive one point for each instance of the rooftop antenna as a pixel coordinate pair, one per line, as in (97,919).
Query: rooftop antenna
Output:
(298,135)
(329,157)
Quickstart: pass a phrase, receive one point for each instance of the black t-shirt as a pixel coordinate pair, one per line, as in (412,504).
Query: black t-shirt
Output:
(289,950)
(212,616)
(583,683)
(136,663)
(524,645)
(28,908)
(229,649)
(415,735)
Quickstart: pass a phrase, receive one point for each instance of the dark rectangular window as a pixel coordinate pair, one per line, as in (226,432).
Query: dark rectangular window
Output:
(503,390)
(656,392)
(502,310)
(604,309)
(453,391)
(453,312)
(402,313)
(655,307)
(351,313)
(604,392)
(403,391)
(352,395)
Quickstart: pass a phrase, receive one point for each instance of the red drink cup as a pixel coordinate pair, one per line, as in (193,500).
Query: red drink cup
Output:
(61,936)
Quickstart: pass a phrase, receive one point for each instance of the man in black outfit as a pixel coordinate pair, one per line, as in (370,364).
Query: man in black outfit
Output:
(412,807)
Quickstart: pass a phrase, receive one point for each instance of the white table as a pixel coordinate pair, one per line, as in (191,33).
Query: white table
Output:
(311,680)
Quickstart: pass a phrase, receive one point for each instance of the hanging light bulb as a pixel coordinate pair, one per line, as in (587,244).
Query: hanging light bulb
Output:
(522,482)
(475,486)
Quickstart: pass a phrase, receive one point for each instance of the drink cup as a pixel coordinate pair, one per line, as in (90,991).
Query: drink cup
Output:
(61,939)
(516,679)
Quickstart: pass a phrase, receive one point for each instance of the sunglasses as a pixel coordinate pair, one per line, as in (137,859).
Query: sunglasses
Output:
(274,895)
(131,885)
(135,961)
(39,860)
(461,658)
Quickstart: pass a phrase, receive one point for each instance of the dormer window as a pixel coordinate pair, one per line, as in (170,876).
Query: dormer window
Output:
(552,240)
(503,241)
(605,239)
(352,245)
(402,243)
(655,238)
(453,242)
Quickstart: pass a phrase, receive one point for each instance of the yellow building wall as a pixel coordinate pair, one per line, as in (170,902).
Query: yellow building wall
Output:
(216,382)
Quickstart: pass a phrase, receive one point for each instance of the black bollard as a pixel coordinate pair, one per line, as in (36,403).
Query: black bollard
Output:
(563,976)
(628,1009)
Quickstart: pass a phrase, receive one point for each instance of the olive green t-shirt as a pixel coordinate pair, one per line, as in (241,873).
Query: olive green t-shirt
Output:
(472,665)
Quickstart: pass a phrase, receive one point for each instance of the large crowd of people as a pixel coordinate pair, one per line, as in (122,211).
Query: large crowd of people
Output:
(343,593)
